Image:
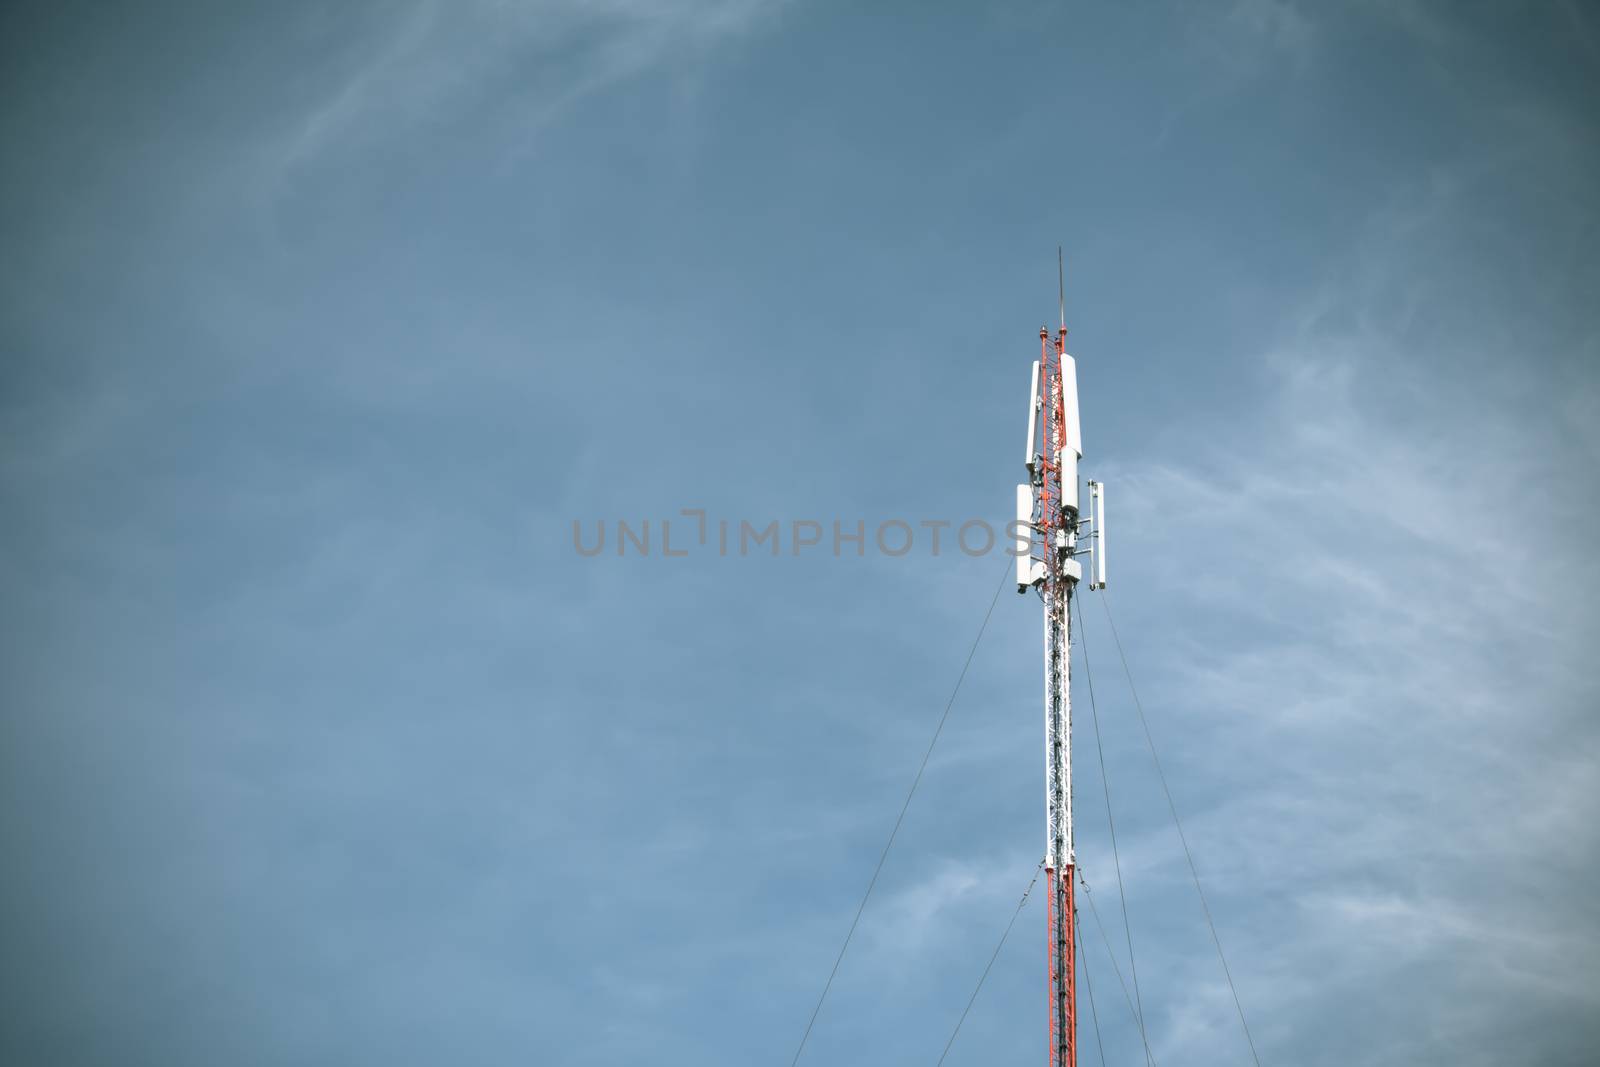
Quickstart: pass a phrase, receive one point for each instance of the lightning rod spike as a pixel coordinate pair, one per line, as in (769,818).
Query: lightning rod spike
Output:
(1061,289)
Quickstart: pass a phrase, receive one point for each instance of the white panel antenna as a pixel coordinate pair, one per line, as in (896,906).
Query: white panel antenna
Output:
(1029,570)
(1069,448)
(1069,402)
(1097,503)
(1033,418)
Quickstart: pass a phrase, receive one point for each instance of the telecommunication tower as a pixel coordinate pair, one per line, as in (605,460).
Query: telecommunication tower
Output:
(1047,511)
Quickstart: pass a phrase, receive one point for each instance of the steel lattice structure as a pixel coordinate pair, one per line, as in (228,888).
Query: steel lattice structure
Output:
(1047,515)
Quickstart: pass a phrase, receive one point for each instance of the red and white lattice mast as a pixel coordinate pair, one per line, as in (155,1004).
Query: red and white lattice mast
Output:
(1048,506)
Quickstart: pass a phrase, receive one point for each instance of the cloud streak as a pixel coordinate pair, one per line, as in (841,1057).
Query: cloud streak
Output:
(1400,708)
(424,63)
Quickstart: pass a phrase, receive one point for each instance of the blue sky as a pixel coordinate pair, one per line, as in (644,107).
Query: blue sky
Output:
(322,323)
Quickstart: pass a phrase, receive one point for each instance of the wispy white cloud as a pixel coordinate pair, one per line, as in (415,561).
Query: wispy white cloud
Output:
(427,62)
(1279,23)
(1402,708)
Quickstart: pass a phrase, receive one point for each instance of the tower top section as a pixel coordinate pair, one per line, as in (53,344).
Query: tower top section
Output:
(1047,506)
